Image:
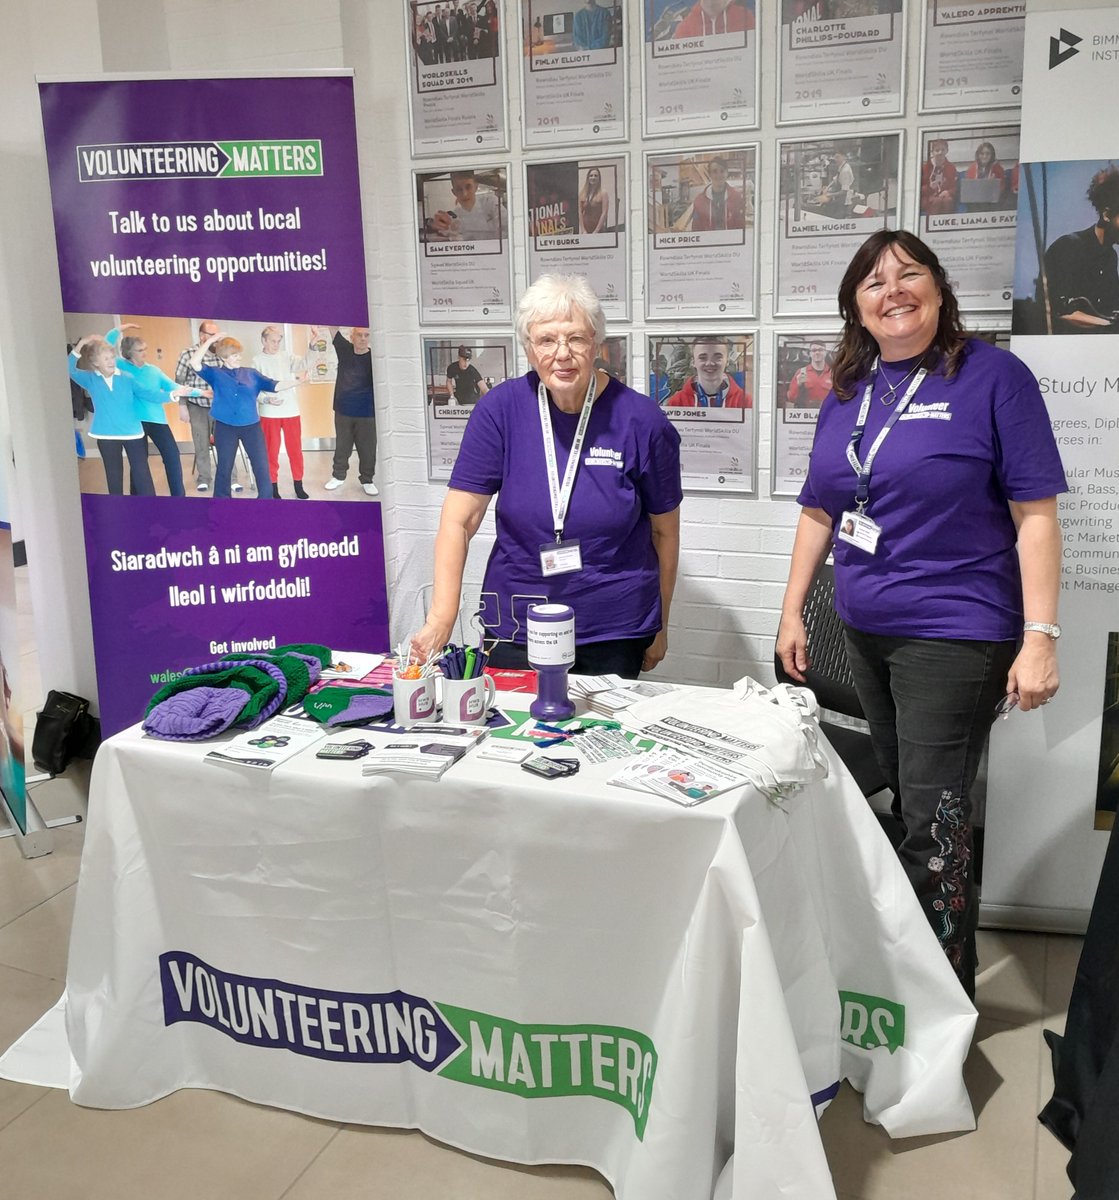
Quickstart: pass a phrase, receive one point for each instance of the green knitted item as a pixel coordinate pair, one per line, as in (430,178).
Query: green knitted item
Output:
(259,687)
(295,670)
(328,701)
(313,649)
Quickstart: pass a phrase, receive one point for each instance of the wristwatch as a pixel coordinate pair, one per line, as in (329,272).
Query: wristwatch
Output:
(1054,630)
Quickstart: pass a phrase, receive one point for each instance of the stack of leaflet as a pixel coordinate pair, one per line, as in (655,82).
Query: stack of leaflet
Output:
(270,744)
(425,750)
(683,778)
(768,736)
(609,695)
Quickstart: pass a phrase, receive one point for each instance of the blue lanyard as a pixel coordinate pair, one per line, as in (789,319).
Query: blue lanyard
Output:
(863,469)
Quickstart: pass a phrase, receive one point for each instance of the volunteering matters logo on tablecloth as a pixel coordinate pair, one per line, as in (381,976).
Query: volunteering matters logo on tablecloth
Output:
(602,1061)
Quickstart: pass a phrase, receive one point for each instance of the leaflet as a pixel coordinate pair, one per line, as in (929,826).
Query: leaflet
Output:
(270,744)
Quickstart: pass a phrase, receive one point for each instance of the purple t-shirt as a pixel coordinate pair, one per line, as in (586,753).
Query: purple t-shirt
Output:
(630,469)
(946,564)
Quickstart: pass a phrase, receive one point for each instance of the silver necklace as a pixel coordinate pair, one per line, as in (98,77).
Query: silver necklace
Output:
(892,388)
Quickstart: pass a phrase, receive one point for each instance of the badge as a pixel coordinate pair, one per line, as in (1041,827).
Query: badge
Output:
(858,529)
(560,558)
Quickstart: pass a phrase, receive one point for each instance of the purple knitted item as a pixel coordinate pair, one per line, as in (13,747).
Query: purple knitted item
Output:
(197,713)
(262,664)
(313,664)
(362,709)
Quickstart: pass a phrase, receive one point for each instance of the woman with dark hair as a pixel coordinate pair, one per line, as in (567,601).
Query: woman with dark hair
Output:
(987,166)
(947,575)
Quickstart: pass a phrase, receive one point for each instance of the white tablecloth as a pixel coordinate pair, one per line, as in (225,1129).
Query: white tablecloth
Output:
(533,970)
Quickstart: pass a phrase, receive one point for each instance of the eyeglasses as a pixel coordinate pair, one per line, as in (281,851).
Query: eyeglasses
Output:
(548,346)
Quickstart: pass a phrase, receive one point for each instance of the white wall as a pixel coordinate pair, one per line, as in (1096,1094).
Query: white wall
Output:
(735,549)
(52,38)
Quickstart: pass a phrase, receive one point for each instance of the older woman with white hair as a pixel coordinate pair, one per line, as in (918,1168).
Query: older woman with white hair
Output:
(587,473)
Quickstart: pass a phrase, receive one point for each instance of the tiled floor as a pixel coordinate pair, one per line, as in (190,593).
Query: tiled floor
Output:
(202,1145)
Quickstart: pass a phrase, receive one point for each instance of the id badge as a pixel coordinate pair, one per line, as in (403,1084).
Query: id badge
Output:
(560,558)
(859,530)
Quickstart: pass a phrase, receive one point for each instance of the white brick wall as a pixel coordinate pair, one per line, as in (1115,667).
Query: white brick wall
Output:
(735,549)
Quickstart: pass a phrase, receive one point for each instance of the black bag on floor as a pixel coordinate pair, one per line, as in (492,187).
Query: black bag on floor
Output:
(64,730)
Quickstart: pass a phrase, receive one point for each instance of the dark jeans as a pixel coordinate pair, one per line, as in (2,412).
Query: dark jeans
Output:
(348,433)
(168,448)
(620,656)
(930,703)
(113,451)
(251,437)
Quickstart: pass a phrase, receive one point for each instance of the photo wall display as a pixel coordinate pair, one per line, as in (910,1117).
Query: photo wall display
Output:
(701,237)
(802,371)
(462,239)
(460,367)
(456,82)
(699,66)
(704,381)
(834,193)
(968,210)
(577,224)
(614,358)
(574,72)
(971,54)
(840,59)
(458,370)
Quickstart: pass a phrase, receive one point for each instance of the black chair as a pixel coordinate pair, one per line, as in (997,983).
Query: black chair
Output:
(829,679)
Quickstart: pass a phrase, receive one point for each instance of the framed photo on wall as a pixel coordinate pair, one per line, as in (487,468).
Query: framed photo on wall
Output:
(456,81)
(704,381)
(462,234)
(833,193)
(699,66)
(574,76)
(802,378)
(459,369)
(577,224)
(701,237)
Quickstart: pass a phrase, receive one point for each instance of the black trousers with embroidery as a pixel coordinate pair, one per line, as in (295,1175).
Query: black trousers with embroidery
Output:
(930,703)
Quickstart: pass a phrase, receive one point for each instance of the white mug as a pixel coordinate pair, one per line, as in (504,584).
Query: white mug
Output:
(413,700)
(468,701)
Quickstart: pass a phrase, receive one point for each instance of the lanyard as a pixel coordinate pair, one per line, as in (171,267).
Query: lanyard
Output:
(863,469)
(561,495)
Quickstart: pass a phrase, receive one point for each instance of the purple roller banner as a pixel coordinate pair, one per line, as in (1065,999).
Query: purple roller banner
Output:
(174,583)
(230,197)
